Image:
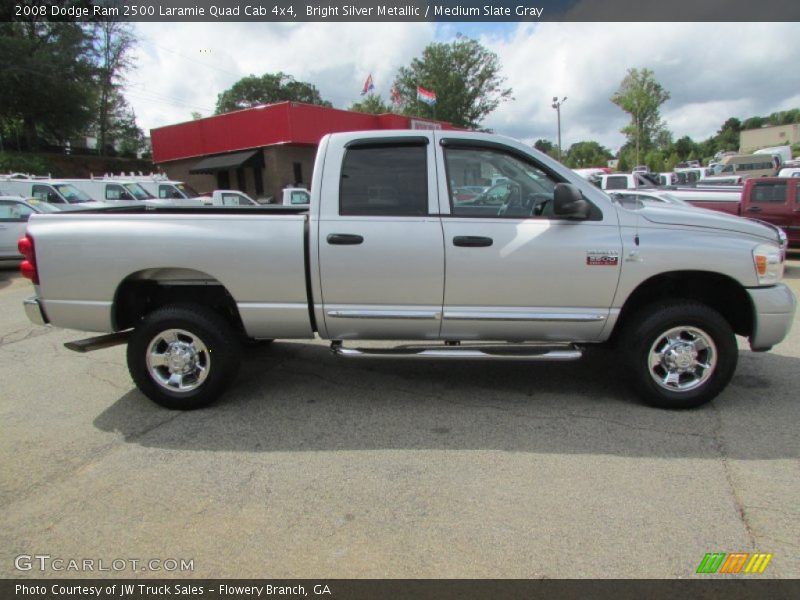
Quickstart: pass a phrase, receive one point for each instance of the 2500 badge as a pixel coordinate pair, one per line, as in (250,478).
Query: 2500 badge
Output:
(601,258)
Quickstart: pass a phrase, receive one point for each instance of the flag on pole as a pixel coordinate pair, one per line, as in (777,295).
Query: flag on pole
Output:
(396,98)
(368,85)
(426,96)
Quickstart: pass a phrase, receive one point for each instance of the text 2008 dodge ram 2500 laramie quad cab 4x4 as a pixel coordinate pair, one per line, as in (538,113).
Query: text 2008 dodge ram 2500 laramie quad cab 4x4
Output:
(534,268)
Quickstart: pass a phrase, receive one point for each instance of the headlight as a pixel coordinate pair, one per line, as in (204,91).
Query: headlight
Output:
(768,261)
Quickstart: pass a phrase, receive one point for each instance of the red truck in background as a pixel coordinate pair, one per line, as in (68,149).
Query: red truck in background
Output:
(775,200)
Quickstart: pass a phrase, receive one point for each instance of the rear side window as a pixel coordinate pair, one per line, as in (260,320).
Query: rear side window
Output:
(384,181)
(769,192)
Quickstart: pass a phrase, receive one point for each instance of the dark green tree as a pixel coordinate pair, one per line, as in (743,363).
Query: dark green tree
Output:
(587,154)
(641,96)
(727,137)
(268,88)
(465,77)
(372,104)
(115,41)
(47,78)
(543,145)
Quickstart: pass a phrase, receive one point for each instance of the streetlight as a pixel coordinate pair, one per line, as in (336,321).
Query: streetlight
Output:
(557,105)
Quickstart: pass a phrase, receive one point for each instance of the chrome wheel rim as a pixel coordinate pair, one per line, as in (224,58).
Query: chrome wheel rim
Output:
(178,360)
(682,359)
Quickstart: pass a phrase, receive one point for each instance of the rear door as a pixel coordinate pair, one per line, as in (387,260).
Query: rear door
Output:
(381,257)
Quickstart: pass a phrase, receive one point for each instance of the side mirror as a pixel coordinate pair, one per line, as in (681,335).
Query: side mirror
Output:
(569,203)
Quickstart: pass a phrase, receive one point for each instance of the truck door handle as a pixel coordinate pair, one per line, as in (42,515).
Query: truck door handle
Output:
(344,239)
(754,209)
(472,241)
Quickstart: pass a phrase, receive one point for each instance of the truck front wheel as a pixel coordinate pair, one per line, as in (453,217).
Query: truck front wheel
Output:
(183,356)
(680,354)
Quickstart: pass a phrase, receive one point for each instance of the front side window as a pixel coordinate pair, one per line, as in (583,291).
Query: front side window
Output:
(117,192)
(617,183)
(384,181)
(44,193)
(521,189)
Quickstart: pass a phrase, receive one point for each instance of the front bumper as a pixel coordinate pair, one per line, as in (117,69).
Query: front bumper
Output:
(34,311)
(773,309)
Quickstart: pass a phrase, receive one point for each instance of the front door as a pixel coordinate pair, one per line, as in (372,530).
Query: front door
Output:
(380,242)
(515,271)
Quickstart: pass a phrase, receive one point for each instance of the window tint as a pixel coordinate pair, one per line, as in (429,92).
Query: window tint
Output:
(521,190)
(769,192)
(384,180)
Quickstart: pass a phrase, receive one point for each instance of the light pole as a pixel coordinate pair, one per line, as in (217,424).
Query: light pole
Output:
(557,105)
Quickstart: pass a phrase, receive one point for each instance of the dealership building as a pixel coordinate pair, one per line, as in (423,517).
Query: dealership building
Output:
(263,149)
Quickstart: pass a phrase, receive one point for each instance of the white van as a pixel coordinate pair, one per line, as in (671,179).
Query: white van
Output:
(52,191)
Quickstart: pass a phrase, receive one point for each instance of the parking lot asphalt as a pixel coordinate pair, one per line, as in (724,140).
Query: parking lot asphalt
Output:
(312,466)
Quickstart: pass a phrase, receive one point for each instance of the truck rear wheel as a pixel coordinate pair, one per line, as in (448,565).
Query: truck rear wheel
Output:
(183,356)
(679,354)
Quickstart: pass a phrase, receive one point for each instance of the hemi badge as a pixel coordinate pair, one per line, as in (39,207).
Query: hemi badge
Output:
(599,258)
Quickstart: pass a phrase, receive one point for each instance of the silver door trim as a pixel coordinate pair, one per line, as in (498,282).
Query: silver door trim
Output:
(384,314)
(522,316)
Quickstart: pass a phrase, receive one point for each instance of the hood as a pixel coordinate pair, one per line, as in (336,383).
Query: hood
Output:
(708,219)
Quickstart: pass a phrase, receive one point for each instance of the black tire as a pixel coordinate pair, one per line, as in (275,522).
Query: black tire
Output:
(692,320)
(216,356)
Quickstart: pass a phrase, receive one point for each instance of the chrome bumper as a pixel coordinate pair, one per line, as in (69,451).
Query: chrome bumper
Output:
(34,311)
(774,309)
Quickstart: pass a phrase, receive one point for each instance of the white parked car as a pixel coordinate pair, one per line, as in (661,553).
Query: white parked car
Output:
(789,172)
(14,215)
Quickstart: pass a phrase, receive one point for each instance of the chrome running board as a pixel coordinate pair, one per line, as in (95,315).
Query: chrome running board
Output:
(516,352)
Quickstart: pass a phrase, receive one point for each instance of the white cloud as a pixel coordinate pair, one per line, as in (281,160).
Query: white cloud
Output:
(712,70)
(181,69)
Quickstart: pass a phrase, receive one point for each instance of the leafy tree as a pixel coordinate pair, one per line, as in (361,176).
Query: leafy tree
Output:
(115,41)
(372,104)
(784,117)
(727,137)
(587,154)
(654,159)
(545,146)
(754,123)
(640,95)
(270,87)
(465,77)
(683,147)
(47,77)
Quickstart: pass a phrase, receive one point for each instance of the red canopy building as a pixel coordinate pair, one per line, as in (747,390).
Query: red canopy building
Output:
(263,149)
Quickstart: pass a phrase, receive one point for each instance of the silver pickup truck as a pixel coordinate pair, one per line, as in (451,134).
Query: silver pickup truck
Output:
(534,268)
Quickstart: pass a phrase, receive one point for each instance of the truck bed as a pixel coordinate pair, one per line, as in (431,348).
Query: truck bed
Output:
(257,254)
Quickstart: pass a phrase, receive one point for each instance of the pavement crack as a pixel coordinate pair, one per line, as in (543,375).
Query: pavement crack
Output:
(719,444)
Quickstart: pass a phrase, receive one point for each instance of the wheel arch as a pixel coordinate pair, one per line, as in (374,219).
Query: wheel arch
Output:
(720,292)
(145,290)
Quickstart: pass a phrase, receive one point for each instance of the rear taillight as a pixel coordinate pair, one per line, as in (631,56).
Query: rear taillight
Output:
(28,266)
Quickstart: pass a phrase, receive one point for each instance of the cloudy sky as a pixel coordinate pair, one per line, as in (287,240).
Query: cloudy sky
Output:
(712,70)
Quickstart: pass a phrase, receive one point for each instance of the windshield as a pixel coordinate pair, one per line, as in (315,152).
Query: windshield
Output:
(72,194)
(138,191)
(187,190)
